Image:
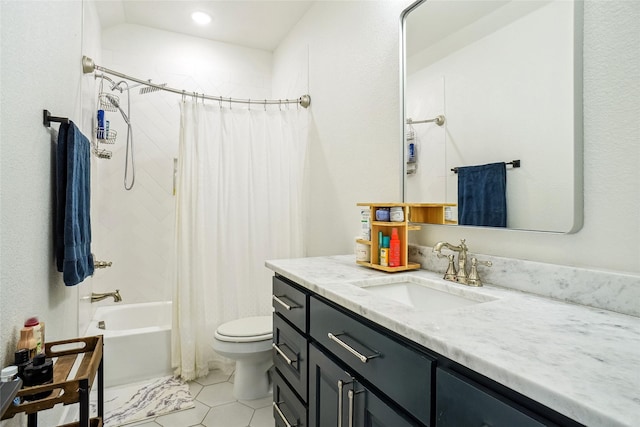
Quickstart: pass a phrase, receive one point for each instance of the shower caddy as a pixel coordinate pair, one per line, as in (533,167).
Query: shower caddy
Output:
(67,387)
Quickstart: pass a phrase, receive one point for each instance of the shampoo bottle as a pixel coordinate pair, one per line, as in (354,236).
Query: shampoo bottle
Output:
(27,341)
(101,125)
(384,252)
(394,249)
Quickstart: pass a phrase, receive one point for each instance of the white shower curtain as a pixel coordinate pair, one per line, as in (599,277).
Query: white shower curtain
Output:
(239,203)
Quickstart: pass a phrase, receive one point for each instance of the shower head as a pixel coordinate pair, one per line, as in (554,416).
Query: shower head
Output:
(113,100)
(149,89)
(118,86)
(116,103)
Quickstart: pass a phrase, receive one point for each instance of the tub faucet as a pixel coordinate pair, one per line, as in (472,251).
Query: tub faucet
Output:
(452,275)
(102,264)
(99,297)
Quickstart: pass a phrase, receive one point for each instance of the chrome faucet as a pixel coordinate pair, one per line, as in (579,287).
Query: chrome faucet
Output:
(102,264)
(99,297)
(460,275)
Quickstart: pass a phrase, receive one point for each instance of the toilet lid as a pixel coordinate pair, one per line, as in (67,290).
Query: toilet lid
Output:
(256,328)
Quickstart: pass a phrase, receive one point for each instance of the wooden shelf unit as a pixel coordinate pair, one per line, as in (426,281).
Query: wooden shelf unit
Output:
(68,388)
(430,213)
(386,227)
(425,213)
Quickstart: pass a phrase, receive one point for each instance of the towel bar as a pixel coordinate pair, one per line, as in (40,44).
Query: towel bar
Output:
(47,118)
(514,163)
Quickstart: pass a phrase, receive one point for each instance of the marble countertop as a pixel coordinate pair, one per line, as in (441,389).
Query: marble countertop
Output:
(581,361)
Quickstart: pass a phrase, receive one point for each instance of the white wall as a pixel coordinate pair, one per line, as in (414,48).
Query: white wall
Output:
(134,229)
(41,47)
(503,101)
(353,81)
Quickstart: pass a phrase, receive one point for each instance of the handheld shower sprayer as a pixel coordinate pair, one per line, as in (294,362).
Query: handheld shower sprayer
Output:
(109,99)
(116,103)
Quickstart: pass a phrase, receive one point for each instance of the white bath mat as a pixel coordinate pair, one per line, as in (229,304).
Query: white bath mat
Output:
(151,399)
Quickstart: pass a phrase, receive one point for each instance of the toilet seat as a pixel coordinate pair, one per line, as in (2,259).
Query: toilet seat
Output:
(248,329)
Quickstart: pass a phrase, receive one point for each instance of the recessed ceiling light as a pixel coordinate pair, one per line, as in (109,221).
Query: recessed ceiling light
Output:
(201,18)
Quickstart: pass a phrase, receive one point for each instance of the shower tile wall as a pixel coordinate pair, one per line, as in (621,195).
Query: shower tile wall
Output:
(134,229)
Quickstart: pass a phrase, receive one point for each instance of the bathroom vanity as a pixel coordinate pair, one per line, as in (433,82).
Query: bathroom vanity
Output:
(356,347)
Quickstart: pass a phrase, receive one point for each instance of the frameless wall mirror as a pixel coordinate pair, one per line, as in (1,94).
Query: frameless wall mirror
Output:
(488,82)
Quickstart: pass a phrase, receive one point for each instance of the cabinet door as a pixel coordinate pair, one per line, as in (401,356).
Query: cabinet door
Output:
(328,388)
(337,400)
(365,409)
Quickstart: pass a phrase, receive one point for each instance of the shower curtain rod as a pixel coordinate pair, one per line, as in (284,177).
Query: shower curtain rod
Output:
(88,66)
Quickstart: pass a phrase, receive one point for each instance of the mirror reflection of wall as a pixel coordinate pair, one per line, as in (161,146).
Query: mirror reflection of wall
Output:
(503,75)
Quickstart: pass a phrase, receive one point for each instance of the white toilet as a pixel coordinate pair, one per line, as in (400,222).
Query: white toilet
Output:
(248,342)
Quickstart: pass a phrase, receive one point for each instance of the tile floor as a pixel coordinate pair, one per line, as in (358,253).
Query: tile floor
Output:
(215,406)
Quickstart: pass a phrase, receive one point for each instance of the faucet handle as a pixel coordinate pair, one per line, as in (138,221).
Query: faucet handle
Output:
(474,278)
(476,261)
(451,270)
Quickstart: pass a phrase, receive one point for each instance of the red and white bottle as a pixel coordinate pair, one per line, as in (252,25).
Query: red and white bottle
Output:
(394,249)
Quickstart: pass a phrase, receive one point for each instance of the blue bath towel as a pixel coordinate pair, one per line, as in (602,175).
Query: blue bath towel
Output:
(482,196)
(73,222)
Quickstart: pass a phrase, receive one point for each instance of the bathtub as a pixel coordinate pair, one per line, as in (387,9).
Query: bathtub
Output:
(137,341)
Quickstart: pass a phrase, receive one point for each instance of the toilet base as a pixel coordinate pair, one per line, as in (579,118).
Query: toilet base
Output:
(251,380)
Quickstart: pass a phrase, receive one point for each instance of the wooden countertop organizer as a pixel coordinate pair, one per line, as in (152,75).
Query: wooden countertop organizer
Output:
(68,387)
(433,213)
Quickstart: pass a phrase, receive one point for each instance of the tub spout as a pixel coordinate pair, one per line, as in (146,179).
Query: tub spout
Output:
(99,297)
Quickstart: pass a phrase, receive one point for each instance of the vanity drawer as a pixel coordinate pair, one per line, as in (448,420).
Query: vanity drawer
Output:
(287,408)
(290,355)
(403,374)
(290,303)
(462,402)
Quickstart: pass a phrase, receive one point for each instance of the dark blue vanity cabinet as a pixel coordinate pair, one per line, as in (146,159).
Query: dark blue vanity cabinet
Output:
(334,368)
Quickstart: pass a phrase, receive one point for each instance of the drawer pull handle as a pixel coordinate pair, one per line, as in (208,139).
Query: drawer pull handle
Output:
(350,396)
(340,385)
(284,304)
(284,356)
(284,419)
(362,357)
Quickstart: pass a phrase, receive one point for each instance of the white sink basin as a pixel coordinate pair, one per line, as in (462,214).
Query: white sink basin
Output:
(425,297)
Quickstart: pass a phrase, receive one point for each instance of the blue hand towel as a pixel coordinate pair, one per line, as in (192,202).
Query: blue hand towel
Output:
(73,223)
(482,196)
(61,193)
